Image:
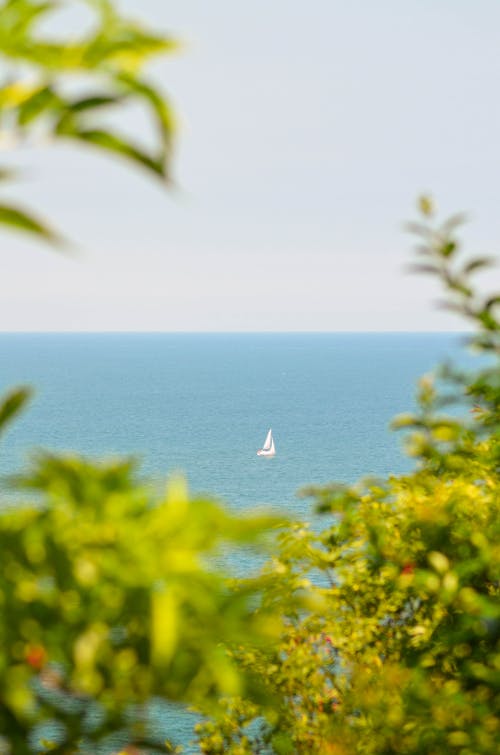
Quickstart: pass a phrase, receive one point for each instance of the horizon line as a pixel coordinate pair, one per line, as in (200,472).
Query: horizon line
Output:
(234,332)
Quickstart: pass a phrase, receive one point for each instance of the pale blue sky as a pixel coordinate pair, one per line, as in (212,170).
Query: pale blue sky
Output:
(306,131)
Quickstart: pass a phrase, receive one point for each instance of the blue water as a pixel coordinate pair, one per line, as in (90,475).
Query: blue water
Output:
(203,404)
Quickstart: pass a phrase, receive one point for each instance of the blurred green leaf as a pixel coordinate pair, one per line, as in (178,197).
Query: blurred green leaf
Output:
(448,248)
(12,404)
(478,264)
(18,16)
(42,100)
(114,144)
(492,302)
(92,102)
(23,221)
(426,206)
(160,106)
(6,174)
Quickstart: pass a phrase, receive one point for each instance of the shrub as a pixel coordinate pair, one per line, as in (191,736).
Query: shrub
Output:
(395,646)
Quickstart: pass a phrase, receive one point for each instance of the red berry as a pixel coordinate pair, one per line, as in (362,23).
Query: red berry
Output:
(36,656)
(408,569)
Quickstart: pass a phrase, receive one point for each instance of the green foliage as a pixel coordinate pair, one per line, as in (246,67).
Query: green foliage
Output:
(107,602)
(380,634)
(392,613)
(61,87)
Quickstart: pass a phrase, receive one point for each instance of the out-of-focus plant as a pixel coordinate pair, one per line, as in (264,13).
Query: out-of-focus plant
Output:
(395,647)
(388,620)
(62,86)
(107,602)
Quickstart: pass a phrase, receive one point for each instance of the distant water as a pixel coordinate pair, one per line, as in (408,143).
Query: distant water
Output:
(203,404)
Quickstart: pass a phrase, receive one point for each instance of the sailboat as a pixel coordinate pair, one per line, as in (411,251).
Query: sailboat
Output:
(268,447)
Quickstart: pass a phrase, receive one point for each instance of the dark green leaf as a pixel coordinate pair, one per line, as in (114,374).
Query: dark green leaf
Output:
(117,145)
(492,302)
(448,248)
(93,102)
(487,320)
(156,101)
(12,404)
(41,101)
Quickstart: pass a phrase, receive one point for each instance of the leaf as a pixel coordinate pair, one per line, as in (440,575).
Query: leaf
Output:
(424,251)
(478,263)
(19,15)
(431,269)
(418,229)
(15,93)
(404,420)
(122,45)
(164,626)
(448,248)
(115,144)
(283,743)
(12,405)
(453,222)
(22,221)
(93,102)
(451,306)
(7,173)
(455,284)
(67,125)
(42,100)
(487,320)
(492,302)
(160,107)
(426,206)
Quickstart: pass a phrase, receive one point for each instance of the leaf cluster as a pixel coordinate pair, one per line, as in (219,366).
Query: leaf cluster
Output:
(65,88)
(107,603)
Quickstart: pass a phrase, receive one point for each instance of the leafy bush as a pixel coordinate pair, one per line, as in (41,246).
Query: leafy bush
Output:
(393,644)
(107,602)
(379,634)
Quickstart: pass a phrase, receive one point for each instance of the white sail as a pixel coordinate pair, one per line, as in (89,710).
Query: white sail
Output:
(268,441)
(268,448)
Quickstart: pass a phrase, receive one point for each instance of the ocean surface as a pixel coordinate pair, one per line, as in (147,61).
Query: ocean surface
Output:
(202,404)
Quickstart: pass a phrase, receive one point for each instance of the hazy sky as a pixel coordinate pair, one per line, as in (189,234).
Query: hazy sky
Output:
(306,131)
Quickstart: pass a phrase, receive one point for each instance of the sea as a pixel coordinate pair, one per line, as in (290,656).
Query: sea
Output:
(202,404)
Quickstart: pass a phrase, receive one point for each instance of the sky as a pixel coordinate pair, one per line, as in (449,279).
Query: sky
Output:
(306,132)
